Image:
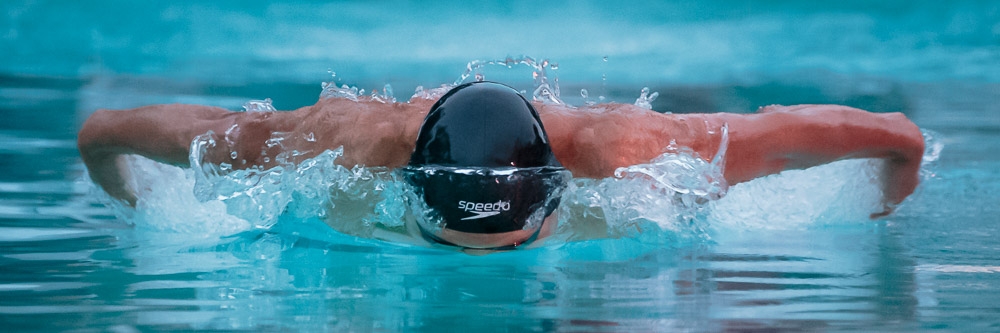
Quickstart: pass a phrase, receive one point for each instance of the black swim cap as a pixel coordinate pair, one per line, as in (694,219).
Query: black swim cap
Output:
(483,167)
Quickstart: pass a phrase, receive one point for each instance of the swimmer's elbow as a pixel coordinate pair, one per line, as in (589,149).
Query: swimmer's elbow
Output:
(93,134)
(908,143)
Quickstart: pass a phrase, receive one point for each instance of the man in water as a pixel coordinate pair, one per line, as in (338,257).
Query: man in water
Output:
(483,163)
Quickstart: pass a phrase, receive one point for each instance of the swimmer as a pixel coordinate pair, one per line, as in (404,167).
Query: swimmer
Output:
(489,165)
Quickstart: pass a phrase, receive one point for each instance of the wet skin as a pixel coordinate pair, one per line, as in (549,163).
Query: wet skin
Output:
(589,141)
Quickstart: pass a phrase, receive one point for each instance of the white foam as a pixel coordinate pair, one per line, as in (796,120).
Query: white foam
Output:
(167,203)
(629,206)
(833,193)
(676,197)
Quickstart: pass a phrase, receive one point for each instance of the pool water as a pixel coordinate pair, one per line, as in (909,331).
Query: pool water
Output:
(791,252)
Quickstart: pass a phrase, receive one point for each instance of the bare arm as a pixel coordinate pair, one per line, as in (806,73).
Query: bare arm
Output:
(590,142)
(160,132)
(371,133)
(594,141)
(796,137)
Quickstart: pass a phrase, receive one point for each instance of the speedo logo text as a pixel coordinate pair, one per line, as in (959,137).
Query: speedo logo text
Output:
(483,209)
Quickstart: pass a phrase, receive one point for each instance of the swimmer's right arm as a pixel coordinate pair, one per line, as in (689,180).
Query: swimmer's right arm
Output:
(371,133)
(162,133)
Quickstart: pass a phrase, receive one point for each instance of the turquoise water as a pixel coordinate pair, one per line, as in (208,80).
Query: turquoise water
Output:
(793,252)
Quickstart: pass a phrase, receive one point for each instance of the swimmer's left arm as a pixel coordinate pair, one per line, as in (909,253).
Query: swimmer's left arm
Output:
(594,141)
(797,137)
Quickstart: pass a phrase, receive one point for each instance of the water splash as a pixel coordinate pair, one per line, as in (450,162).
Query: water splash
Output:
(676,197)
(252,190)
(166,207)
(663,201)
(646,99)
(294,181)
(586,97)
(545,91)
(933,146)
(604,80)
(431,94)
(387,96)
(247,192)
(841,192)
(331,90)
(473,67)
(256,105)
(353,93)
(660,202)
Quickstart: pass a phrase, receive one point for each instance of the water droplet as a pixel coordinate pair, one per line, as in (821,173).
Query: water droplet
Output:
(387,94)
(232,155)
(431,94)
(646,99)
(330,90)
(605,58)
(554,66)
(584,93)
(256,105)
(276,139)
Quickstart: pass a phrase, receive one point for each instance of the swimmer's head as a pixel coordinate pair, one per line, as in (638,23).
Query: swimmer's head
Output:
(483,167)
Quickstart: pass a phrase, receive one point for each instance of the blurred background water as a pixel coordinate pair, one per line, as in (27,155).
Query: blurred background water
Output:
(67,263)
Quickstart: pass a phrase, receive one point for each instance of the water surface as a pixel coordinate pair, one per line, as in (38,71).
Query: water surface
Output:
(793,252)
